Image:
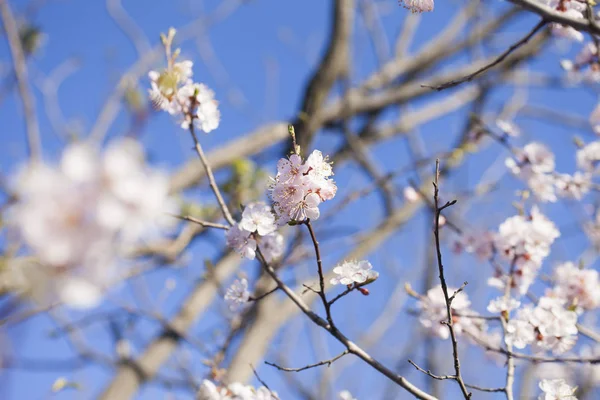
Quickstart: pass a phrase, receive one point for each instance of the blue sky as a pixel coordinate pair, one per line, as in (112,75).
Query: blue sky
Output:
(266,50)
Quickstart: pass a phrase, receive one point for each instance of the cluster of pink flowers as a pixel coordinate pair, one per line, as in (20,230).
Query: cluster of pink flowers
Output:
(258,223)
(572,9)
(78,217)
(524,241)
(233,391)
(432,312)
(300,187)
(174,91)
(417,6)
(556,389)
(534,164)
(548,326)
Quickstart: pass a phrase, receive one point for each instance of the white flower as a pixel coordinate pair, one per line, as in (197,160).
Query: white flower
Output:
(199,102)
(299,188)
(508,127)
(345,395)
(417,6)
(77,217)
(234,391)
(502,304)
(578,287)
(535,158)
(257,217)
(573,186)
(350,272)
(209,391)
(588,157)
(237,295)
(525,241)
(548,326)
(239,239)
(272,246)
(410,194)
(556,389)
(543,187)
(519,333)
(433,311)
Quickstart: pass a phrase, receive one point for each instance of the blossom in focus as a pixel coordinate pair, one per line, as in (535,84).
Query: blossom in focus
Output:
(432,312)
(76,218)
(257,217)
(300,187)
(174,91)
(350,272)
(548,326)
(237,295)
(417,6)
(198,105)
(556,389)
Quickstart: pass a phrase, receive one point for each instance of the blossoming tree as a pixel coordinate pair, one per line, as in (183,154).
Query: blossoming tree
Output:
(424,225)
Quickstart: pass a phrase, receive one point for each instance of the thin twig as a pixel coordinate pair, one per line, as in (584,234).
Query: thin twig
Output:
(322,294)
(497,61)
(20,66)
(211,177)
(320,363)
(448,299)
(205,224)
(428,373)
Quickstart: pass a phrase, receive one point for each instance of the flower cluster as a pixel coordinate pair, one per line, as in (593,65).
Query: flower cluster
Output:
(234,391)
(432,312)
(586,65)
(548,326)
(578,287)
(300,187)
(524,241)
(77,217)
(237,295)
(556,389)
(534,164)
(571,9)
(258,219)
(351,272)
(479,243)
(417,6)
(173,90)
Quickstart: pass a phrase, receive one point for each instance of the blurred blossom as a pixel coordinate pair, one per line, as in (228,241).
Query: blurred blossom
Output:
(237,295)
(432,312)
(234,391)
(524,241)
(579,287)
(78,217)
(417,6)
